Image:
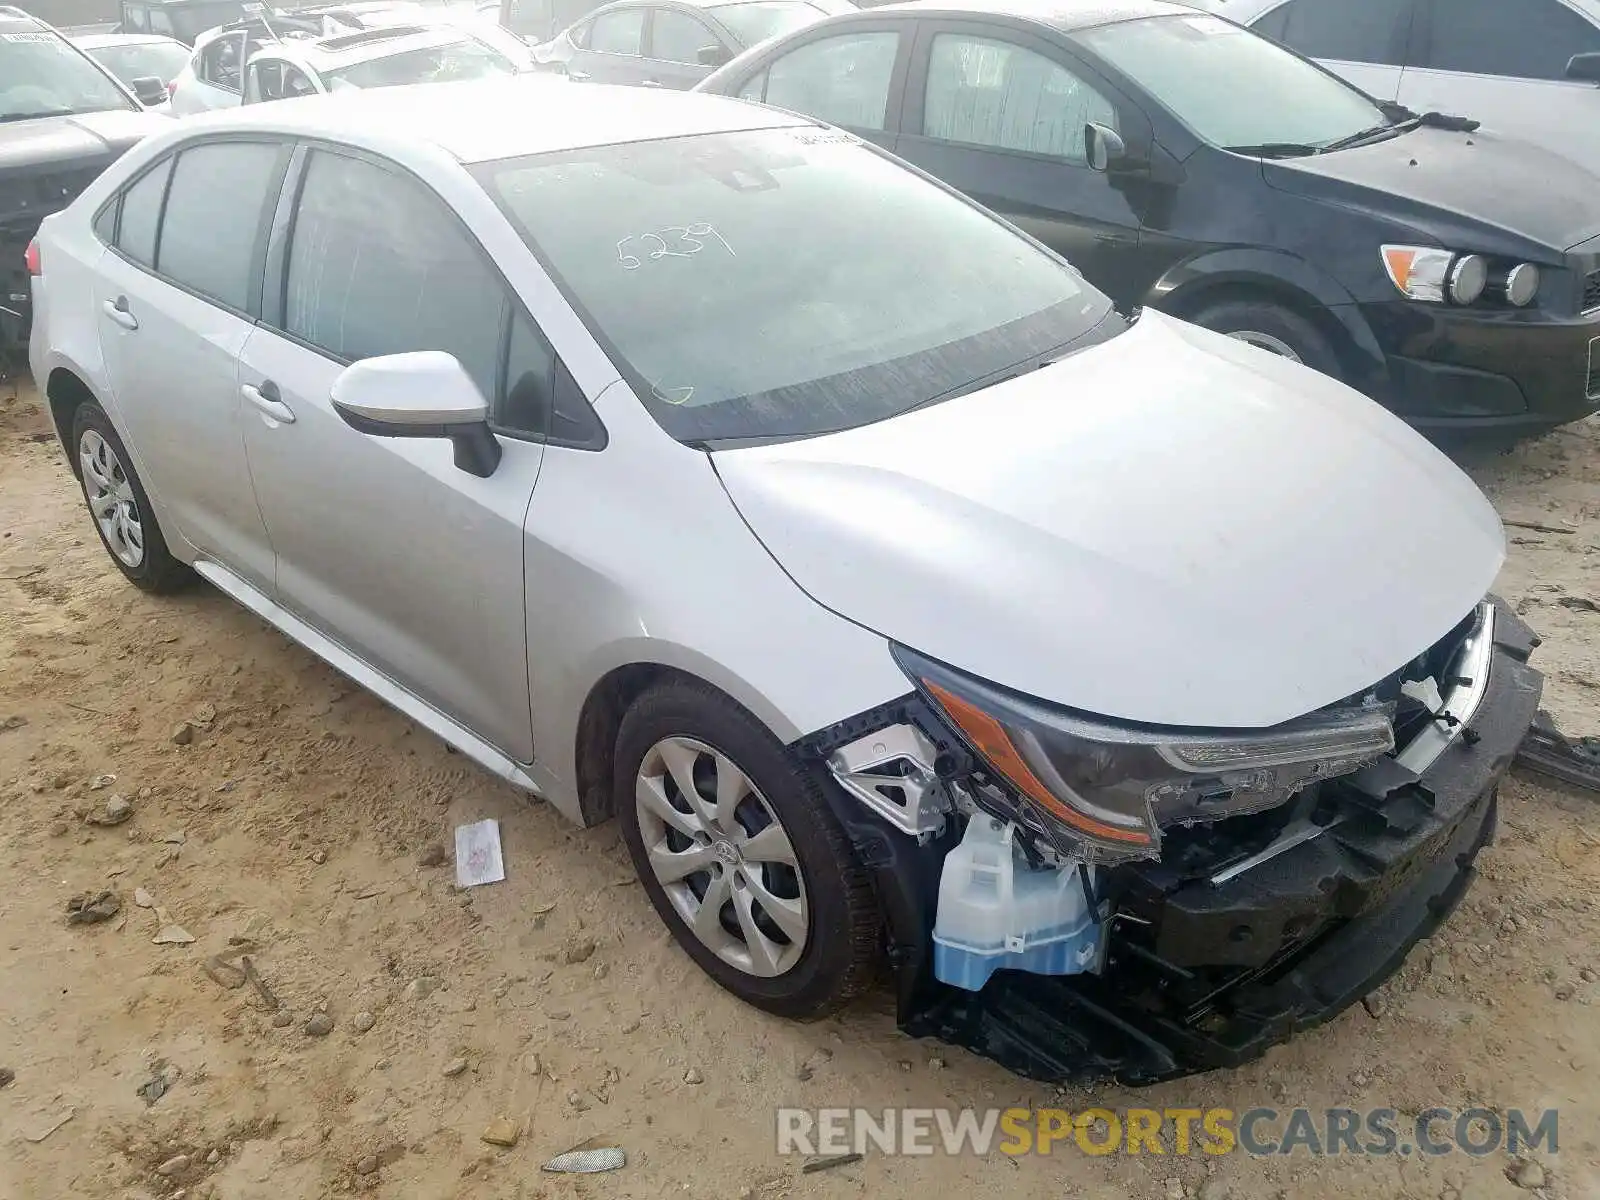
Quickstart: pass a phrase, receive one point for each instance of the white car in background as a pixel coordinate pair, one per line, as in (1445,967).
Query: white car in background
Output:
(1530,68)
(385,57)
(214,76)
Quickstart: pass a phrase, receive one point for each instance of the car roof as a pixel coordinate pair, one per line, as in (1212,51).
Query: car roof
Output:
(14,20)
(99,41)
(347,49)
(483,120)
(1064,16)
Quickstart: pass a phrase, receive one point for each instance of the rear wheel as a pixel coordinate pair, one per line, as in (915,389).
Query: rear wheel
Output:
(121,510)
(1273,328)
(740,854)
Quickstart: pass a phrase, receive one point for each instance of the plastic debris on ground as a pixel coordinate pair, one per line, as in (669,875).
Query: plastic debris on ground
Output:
(478,858)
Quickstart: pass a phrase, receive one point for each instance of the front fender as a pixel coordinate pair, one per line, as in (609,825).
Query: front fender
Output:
(1183,288)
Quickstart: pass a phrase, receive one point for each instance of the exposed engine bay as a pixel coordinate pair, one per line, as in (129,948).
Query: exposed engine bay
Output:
(1075,898)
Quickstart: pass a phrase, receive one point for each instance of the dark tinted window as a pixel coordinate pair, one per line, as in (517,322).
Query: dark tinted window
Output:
(378,266)
(214,218)
(141,211)
(677,37)
(843,80)
(1372,31)
(620,32)
(1530,39)
(983,92)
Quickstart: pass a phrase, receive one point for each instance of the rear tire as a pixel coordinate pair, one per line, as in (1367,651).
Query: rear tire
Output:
(753,874)
(119,505)
(1275,329)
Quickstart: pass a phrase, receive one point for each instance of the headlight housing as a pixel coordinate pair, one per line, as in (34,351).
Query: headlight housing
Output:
(1439,276)
(1102,791)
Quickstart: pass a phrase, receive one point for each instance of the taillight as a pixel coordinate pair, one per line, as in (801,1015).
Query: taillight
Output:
(172,88)
(31,257)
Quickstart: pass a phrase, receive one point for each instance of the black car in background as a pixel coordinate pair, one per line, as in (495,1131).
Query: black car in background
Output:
(1181,161)
(63,119)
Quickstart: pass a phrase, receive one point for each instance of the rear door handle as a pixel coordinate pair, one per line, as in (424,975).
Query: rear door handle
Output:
(578,76)
(650,83)
(117,310)
(267,399)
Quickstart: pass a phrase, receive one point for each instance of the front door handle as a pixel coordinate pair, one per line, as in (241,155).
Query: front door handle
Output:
(266,397)
(578,76)
(117,310)
(650,83)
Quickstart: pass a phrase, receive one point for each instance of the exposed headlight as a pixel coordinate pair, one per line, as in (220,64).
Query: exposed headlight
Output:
(1428,273)
(1522,284)
(1107,789)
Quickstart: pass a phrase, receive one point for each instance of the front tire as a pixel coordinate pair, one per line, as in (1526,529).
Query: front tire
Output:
(122,513)
(740,854)
(1275,329)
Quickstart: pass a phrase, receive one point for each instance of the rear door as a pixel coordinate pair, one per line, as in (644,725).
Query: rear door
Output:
(176,300)
(383,544)
(853,77)
(1506,67)
(1000,114)
(218,76)
(1363,40)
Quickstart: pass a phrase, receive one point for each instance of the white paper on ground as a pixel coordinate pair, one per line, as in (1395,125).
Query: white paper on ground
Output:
(478,857)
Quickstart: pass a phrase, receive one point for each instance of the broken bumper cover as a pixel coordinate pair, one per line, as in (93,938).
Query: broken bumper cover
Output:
(1203,974)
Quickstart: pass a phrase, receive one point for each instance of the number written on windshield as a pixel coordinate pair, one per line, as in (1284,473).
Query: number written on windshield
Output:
(672,241)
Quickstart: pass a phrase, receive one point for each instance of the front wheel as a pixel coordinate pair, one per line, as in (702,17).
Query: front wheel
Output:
(741,855)
(1272,328)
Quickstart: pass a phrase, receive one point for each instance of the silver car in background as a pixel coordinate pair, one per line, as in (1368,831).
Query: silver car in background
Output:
(698,465)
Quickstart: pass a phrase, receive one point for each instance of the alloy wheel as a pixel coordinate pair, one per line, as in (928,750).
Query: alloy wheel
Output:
(1267,342)
(722,857)
(111,498)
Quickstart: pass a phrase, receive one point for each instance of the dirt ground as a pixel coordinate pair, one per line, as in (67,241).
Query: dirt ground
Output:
(299,815)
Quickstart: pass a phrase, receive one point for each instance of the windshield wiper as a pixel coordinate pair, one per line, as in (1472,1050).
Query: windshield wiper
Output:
(34,116)
(1372,133)
(1277,150)
(1401,115)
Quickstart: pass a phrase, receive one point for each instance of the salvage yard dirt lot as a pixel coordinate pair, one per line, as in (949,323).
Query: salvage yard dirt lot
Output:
(299,812)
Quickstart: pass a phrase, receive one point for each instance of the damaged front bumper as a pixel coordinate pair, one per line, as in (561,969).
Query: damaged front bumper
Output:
(1227,946)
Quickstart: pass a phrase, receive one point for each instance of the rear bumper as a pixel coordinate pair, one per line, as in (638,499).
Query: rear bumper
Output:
(1331,919)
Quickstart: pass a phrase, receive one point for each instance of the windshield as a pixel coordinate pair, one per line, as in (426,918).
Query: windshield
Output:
(455,61)
(41,76)
(160,60)
(784,282)
(1231,87)
(762,19)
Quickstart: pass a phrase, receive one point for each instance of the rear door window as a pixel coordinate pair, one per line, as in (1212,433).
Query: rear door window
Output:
(843,80)
(141,214)
(213,227)
(1528,39)
(677,37)
(1366,31)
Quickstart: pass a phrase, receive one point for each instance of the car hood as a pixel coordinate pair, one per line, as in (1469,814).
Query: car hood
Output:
(1170,528)
(86,137)
(1471,184)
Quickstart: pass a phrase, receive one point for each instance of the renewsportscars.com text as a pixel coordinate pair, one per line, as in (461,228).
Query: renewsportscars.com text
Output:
(1167,1131)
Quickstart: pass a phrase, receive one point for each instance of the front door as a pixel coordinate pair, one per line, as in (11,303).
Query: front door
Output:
(611,49)
(676,41)
(173,300)
(384,545)
(1001,116)
(1365,41)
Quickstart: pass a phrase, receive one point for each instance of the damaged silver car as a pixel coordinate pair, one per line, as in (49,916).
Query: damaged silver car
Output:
(1126,694)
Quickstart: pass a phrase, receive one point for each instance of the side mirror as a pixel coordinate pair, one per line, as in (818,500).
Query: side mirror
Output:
(1584,67)
(714,56)
(1103,146)
(150,90)
(423,394)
